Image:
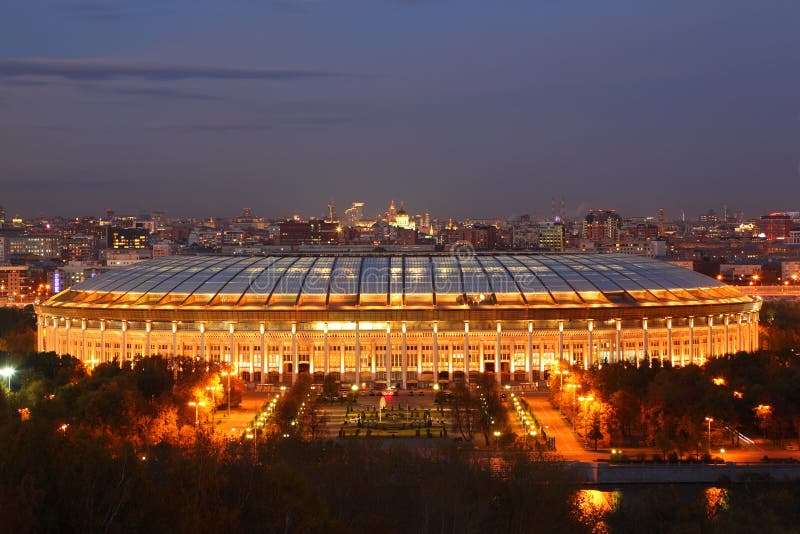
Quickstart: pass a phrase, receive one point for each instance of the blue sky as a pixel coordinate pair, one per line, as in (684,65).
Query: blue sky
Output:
(458,107)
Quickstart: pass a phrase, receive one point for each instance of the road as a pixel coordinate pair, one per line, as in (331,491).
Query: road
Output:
(567,445)
(242,415)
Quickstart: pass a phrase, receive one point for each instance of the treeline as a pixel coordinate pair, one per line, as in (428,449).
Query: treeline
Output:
(117,450)
(17,330)
(667,407)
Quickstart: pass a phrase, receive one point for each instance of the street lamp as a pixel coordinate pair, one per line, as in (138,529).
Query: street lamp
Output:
(585,414)
(228,374)
(708,420)
(7,372)
(196,412)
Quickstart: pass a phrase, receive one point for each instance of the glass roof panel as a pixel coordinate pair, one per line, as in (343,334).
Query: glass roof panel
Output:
(500,279)
(523,277)
(318,278)
(446,276)
(291,282)
(345,276)
(375,276)
(475,280)
(418,275)
(396,275)
(241,281)
(266,280)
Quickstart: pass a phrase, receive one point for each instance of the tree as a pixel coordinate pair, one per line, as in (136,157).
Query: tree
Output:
(595,432)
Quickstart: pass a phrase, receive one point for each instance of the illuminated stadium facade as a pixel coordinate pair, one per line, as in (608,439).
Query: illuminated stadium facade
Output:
(416,319)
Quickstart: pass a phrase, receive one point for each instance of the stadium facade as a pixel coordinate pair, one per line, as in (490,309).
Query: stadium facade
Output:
(411,320)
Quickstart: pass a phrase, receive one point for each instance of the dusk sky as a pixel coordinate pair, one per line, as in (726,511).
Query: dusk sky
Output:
(459,107)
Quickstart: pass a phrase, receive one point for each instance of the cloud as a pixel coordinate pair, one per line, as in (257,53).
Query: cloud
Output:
(94,70)
(99,11)
(161,92)
(262,125)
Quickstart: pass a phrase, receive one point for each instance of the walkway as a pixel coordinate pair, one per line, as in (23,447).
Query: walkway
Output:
(567,445)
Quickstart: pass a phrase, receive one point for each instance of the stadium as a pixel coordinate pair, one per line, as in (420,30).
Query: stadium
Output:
(410,320)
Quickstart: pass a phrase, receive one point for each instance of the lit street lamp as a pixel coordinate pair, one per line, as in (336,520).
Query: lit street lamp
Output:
(228,374)
(585,415)
(196,412)
(708,420)
(8,372)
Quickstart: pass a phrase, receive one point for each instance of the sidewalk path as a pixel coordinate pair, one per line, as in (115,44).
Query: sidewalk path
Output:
(567,445)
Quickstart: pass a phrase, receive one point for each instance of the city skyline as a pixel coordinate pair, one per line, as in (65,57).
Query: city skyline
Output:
(193,108)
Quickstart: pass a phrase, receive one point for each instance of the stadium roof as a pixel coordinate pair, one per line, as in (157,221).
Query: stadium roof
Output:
(389,280)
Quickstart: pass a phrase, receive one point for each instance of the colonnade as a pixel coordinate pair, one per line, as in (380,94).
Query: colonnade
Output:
(405,353)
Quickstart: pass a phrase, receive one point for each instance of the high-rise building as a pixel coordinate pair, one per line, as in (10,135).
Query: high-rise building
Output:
(127,237)
(602,225)
(775,226)
(551,236)
(353,215)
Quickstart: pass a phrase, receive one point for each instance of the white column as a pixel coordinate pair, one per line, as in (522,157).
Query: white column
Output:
(264,364)
(295,357)
(326,362)
(756,345)
(466,351)
(691,342)
(620,355)
(102,340)
(561,341)
(529,353)
(450,361)
(174,341)
(83,341)
(404,355)
(67,326)
(710,347)
(252,364)
(435,353)
(357,348)
(750,332)
(203,354)
(588,357)
(645,347)
(40,343)
(419,360)
(388,361)
(147,327)
(739,333)
(497,347)
(727,333)
(341,359)
(56,348)
(670,352)
(124,346)
(233,356)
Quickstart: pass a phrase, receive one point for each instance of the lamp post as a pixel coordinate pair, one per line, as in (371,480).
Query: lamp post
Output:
(561,374)
(8,372)
(585,414)
(708,420)
(196,412)
(228,374)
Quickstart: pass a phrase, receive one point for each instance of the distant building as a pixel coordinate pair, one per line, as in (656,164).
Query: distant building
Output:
(310,232)
(550,236)
(353,215)
(402,219)
(122,257)
(602,225)
(122,238)
(164,249)
(775,226)
(12,280)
